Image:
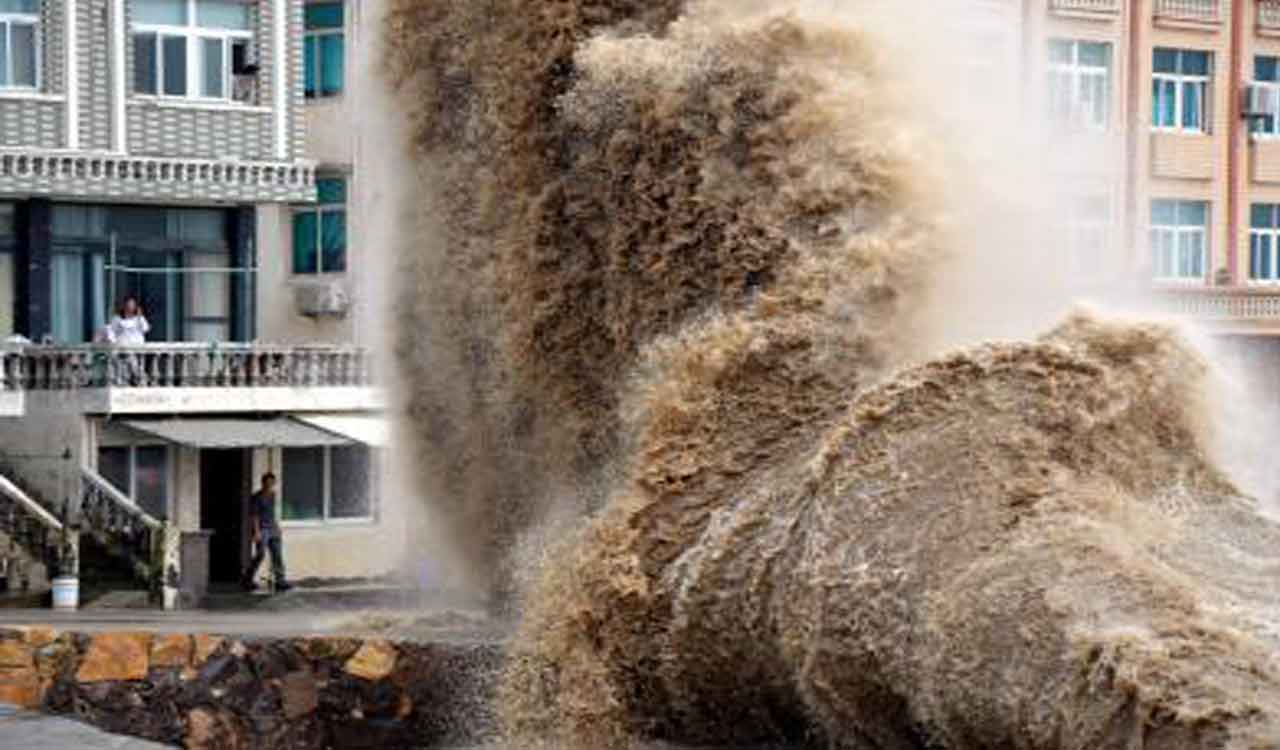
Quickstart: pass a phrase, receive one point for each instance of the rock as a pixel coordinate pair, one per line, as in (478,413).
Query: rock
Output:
(15,655)
(374,661)
(209,729)
(170,651)
(299,695)
(21,688)
(203,648)
(116,657)
(217,669)
(55,658)
(38,636)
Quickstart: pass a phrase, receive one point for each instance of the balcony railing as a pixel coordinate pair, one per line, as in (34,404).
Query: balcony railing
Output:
(58,368)
(1243,305)
(1100,7)
(1269,14)
(92,173)
(1190,10)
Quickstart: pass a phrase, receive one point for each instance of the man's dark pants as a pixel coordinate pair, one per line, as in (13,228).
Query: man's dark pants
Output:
(272,543)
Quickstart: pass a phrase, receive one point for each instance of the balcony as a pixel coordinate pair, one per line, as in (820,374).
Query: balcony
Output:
(1086,7)
(1269,16)
(162,178)
(176,378)
(1226,309)
(1189,11)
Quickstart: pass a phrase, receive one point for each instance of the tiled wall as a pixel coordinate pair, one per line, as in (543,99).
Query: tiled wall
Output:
(153,129)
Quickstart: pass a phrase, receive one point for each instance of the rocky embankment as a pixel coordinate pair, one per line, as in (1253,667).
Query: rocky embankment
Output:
(212,692)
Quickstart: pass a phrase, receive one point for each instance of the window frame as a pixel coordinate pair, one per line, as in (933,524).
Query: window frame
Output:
(131,491)
(310,34)
(1077,73)
(1272,235)
(326,482)
(7,21)
(1176,233)
(1180,80)
(1258,128)
(319,210)
(194,35)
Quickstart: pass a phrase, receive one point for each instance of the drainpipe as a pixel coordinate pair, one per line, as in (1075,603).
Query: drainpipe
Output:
(1139,11)
(1234,130)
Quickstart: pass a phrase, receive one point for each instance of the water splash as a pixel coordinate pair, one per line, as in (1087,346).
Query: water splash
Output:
(681,273)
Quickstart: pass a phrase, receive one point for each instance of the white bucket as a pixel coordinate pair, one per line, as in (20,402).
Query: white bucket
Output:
(66,592)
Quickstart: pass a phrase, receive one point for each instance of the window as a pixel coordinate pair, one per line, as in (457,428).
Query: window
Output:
(1264,233)
(189,48)
(1180,90)
(1079,83)
(178,262)
(320,231)
(141,472)
(1087,232)
(1266,84)
(8,282)
(327,484)
(19,44)
(323,50)
(1178,239)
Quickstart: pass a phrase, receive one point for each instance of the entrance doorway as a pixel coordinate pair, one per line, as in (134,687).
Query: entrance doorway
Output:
(224,488)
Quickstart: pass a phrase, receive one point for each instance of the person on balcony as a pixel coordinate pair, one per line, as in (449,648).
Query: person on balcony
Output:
(129,325)
(266,534)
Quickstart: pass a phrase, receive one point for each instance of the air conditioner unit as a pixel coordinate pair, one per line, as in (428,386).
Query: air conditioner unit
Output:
(1259,102)
(317,300)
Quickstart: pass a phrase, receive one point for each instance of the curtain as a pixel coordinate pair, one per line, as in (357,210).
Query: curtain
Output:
(22,36)
(151,479)
(1191,100)
(309,65)
(302,484)
(333,237)
(68,298)
(7,292)
(349,481)
(331,64)
(305,252)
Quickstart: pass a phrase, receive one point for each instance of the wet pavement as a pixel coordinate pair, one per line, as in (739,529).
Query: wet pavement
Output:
(30,731)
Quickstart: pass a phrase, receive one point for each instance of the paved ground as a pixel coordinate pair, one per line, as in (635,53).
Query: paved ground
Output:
(194,621)
(21,730)
(446,625)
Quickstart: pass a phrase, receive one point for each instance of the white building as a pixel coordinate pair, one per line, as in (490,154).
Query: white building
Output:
(174,151)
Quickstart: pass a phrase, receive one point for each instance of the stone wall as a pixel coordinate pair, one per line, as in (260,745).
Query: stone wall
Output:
(223,693)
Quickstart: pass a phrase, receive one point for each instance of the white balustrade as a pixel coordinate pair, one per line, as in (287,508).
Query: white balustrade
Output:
(1269,14)
(1087,6)
(62,368)
(1242,305)
(162,170)
(1198,10)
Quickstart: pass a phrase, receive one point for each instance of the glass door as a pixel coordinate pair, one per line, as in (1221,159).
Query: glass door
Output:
(150,277)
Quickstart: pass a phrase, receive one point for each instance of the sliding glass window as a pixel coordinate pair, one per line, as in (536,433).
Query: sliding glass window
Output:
(176,262)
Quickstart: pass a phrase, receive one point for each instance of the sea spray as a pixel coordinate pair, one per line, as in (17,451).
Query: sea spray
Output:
(676,274)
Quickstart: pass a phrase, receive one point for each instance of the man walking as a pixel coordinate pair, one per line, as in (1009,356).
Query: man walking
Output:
(266,533)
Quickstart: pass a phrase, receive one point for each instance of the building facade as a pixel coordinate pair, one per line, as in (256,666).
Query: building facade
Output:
(1164,115)
(157,149)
